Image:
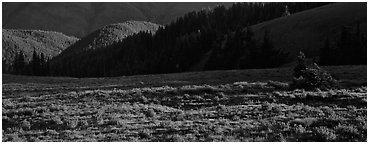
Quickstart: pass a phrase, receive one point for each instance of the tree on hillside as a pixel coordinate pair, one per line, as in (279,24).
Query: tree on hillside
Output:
(266,52)
(329,55)
(47,67)
(301,65)
(286,11)
(35,64)
(269,56)
(349,49)
(44,65)
(5,67)
(19,64)
(38,65)
(250,53)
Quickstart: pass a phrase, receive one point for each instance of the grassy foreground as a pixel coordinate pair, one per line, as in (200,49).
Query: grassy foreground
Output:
(242,105)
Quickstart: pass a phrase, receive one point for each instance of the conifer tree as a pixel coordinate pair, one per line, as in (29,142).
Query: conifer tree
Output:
(5,67)
(42,70)
(324,56)
(286,11)
(301,65)
(35,64)
(19,63)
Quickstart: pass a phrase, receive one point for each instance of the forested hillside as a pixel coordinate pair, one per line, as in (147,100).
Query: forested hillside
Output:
(108,35)
(216,33)
(27,41)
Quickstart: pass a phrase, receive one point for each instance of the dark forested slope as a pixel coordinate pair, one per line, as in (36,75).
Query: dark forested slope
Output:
(217,33)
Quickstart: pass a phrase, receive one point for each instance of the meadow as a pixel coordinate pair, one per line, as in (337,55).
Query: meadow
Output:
(233,105)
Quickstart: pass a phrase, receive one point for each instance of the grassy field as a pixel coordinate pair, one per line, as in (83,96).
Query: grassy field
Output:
(235,105)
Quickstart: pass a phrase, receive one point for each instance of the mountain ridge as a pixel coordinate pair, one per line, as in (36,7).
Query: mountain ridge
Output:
(80,19)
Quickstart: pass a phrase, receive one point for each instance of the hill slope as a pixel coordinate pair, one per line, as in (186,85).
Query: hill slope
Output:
(48,42)
(80,19)
(308,30)
(109,34)
(182,45)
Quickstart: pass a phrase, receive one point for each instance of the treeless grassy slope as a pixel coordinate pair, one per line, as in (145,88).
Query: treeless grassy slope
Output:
(308,30)
(48,42)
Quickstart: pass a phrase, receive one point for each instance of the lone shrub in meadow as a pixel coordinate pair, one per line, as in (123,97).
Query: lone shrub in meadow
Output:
(310,77)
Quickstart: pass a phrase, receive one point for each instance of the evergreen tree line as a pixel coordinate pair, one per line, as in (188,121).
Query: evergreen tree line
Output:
(37,66)
(348,49)
(6,67)
(218,33)
(183,43)
(240,51)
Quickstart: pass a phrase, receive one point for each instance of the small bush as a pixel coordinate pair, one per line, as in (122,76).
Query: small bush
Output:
(72,123)
(13,138)
(348,133)
(221,108)
(310,77)
(26,124)
(144,134)
(57,120)
(235,118)
(51,132)
(265,106)
(216,99)
(278,85)
(84,123)
(324,134)
(221,95)
(303,122)
(177,138)
(179,116)
(150,113)
(143,99)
